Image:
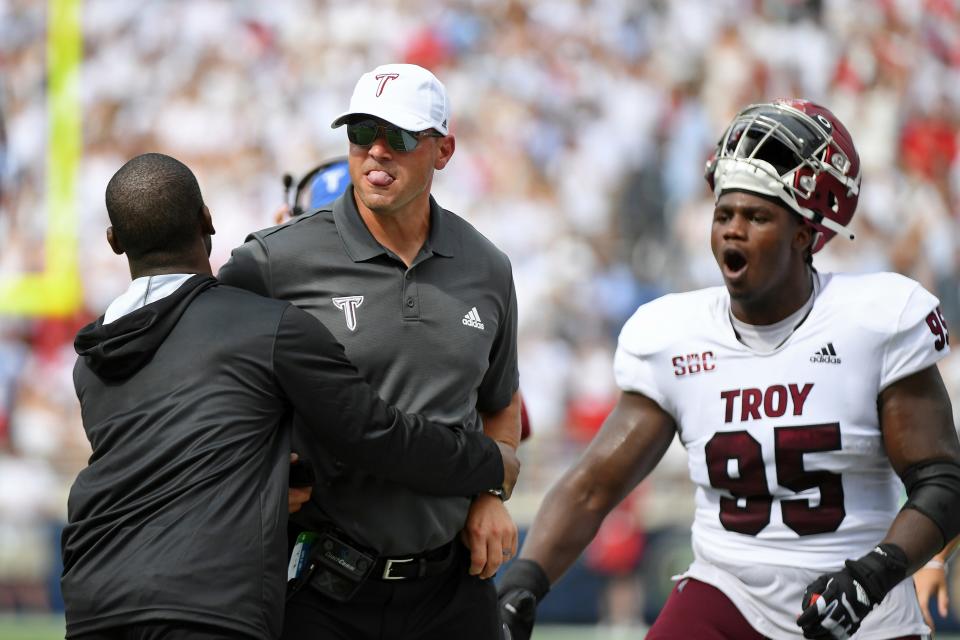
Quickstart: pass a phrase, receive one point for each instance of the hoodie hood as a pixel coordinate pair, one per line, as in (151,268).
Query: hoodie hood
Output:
(118,350)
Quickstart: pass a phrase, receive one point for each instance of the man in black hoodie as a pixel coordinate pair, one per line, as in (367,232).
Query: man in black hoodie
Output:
(177,528)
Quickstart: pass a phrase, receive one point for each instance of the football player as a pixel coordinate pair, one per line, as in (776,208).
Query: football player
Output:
(805,401)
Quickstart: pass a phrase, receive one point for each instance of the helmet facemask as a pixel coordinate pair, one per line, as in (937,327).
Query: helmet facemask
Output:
(778,150)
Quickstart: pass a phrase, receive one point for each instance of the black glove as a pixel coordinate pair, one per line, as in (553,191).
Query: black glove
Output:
(835,604)
(519,589)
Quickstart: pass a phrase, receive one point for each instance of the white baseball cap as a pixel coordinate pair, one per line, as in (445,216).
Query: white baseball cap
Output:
(404,95)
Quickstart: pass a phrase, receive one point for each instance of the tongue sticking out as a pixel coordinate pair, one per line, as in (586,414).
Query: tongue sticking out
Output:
(379,178)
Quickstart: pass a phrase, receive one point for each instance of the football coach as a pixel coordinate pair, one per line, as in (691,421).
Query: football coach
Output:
(177,526)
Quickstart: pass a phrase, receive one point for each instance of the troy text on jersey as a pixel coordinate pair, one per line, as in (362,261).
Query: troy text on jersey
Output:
(772,402)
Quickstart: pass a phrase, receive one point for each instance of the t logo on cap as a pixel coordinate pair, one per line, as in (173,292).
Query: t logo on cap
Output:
(417,100)
(383,77)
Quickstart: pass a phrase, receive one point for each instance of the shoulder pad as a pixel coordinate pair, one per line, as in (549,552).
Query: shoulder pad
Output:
(660,322)
(885,303)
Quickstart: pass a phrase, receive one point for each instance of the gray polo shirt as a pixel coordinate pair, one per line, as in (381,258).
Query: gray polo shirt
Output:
(439,338)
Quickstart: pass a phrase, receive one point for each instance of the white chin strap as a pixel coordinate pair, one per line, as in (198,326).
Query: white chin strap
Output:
(759,176)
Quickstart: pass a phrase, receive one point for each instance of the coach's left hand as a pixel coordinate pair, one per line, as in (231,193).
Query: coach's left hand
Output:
(490,534)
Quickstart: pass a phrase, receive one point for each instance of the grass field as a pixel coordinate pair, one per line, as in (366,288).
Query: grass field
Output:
(51,628)
(30,627)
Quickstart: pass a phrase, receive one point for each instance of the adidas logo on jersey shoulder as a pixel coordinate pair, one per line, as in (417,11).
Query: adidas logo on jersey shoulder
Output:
(472,319)
(826,354)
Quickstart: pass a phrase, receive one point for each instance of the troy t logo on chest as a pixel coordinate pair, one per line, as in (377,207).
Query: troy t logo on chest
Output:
(771,402)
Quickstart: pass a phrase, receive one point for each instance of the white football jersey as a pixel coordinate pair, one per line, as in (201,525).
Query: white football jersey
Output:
(785,447)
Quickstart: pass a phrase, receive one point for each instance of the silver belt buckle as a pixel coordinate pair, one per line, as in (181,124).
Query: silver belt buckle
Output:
(389,565)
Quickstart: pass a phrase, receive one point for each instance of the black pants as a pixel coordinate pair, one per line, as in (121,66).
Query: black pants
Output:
(173,630)
(451,605)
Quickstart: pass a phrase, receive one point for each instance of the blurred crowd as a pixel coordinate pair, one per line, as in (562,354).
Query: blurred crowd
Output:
(582,129)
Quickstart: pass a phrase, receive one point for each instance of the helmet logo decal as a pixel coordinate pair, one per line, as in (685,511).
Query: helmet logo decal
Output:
(823,120)
(840,162)
(384,78)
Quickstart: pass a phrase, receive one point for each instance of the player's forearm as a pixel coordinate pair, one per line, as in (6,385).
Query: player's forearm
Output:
(917,536)
(568,519)
(630,444)
(504,425)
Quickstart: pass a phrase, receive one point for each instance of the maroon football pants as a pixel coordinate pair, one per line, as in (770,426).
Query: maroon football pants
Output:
(698,610)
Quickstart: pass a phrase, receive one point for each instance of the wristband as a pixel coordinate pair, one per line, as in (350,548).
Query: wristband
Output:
(525,574)
(935,564)
(880,570)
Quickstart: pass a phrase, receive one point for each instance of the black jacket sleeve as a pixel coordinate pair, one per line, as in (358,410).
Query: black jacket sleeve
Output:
(348,416)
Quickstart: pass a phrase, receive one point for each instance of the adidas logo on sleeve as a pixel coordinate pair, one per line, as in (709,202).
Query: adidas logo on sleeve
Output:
(472,319)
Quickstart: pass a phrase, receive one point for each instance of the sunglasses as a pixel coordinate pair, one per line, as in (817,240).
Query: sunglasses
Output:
(365,132)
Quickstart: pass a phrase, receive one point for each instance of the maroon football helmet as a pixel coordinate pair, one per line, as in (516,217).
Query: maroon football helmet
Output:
(795,151)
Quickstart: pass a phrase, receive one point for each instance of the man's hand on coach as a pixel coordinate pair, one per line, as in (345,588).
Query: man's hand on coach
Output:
(522,586)
(836,603)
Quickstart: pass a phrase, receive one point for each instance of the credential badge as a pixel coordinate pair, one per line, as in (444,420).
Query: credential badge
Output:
(349,304)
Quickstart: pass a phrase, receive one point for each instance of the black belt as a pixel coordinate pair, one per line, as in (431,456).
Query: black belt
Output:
(422,565)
